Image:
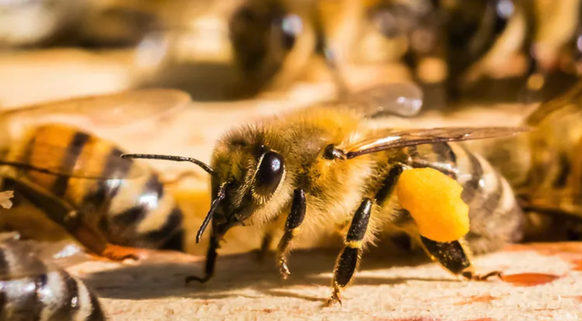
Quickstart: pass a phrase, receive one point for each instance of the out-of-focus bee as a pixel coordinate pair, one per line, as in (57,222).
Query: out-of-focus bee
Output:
(274,41)
(35,285)
(110,205)
(544,164)
(26,23)
(87,22)
(326,167)
(447,43)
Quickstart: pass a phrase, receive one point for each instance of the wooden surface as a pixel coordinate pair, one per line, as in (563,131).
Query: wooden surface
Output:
(388,287)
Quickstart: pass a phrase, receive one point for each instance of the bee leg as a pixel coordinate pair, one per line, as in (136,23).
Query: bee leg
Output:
(64,214)
(455,256)
(96,243)
(349,259)
(210,263)
(265,245)
(292,226)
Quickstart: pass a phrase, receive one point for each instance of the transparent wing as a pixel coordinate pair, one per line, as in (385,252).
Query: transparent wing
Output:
(401,99)
(29,258)
(565,105)
(396,138)
(74,162)
(108,110)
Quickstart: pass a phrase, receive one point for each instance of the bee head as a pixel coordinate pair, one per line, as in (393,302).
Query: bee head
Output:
(262,34)
(252,182)
(248,185)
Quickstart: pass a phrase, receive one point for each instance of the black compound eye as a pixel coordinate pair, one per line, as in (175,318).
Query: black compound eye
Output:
(270,173)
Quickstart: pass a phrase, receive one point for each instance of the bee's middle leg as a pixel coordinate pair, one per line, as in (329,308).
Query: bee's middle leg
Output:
(455,256)
(349,259)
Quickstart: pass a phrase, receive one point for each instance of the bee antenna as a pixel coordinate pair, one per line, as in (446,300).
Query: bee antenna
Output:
(205,167)
(213,206)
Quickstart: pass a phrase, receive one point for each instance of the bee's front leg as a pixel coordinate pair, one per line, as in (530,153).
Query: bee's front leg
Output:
(292,225)
(349,259)
(455,256)
(211,256)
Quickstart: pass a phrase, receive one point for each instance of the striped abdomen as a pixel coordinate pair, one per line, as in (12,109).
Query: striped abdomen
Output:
(131,209)
(494,213)
(31,294)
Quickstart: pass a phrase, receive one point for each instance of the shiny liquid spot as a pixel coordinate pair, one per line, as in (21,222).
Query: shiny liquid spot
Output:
(529,279)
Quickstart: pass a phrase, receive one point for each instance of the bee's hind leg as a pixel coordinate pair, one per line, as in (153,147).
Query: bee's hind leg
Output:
(349,259)
(455,256)
(96,242)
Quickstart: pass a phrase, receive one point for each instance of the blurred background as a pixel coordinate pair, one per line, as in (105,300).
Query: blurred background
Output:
(240,59)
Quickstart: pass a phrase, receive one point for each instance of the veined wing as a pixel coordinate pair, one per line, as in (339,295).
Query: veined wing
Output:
(562,106)
(109,110)
(397,138)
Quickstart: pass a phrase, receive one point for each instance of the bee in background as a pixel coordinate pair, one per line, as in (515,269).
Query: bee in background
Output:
(324,166)
(35,285)
(25,24)
(115,207)
(544,165)
(448,45)
(273,41)
(31,23)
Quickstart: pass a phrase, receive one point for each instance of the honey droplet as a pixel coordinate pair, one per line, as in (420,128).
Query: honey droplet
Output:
(529,279)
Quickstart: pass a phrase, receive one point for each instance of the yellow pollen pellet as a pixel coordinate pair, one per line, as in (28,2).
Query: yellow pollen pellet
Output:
(434,202)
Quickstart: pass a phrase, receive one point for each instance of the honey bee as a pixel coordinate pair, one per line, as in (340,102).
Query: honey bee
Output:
(543,165)
(273,41)
(35,285)
(326,166)
(88,23)
(116,208)
(457,44)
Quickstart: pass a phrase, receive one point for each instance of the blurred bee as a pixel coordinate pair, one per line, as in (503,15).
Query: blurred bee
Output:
(544,164)
(325,166)
(110,205)
(445,43)
(273,41)
(35,285)
(87,22)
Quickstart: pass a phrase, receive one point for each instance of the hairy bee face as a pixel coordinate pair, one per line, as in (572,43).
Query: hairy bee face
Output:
(262,35)
(255,181)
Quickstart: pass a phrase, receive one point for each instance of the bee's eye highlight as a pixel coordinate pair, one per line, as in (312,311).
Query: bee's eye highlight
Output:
(289,27)
(269,173)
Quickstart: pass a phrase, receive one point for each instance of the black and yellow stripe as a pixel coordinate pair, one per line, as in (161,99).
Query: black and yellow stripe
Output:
(48,294)
(130,209)
(349,258)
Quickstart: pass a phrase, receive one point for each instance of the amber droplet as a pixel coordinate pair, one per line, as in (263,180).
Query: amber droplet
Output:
(529,279)
(577,265)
